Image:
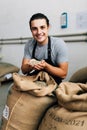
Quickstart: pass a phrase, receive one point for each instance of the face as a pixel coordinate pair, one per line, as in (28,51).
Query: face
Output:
(40,30)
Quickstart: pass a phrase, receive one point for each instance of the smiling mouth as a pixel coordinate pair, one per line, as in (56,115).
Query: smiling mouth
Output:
(39,36)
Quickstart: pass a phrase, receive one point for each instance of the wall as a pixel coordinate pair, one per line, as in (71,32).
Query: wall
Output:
(15,14)
(77,57)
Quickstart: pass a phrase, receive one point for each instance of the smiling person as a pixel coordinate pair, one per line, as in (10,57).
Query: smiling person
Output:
(51,52)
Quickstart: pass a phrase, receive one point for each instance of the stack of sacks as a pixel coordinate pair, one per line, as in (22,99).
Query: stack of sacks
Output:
(27,101)
(71,111)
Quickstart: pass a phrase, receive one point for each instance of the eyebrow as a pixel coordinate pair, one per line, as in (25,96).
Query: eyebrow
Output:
(36,27)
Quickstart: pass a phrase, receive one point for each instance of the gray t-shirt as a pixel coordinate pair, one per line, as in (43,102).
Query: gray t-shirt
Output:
(59,50)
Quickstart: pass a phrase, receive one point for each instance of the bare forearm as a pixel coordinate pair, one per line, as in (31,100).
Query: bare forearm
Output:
(25,69)
(25,66)
(28,65)
(57,71)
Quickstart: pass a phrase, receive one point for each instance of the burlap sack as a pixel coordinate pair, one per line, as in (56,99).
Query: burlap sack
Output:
(79,76)
(42,83)
(72,96)
(24,111)
(6,71)
(6,68)
(59,118)
(24,83)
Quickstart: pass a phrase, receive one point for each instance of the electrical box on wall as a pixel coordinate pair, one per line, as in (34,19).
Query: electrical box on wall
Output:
(64,20)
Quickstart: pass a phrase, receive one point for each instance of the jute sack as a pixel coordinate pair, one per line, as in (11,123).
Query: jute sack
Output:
(79,76)
(42,83)
(72,96)
(59,118)
(24,111)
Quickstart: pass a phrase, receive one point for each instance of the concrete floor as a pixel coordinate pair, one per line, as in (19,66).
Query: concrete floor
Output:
(3,96)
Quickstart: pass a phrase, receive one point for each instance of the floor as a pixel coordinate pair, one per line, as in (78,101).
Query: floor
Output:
(4,88)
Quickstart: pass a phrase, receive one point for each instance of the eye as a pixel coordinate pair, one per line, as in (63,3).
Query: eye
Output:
(42,27)
(33,28)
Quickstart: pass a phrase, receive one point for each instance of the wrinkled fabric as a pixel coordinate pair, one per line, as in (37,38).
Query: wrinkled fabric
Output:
(72,96)
(36,82)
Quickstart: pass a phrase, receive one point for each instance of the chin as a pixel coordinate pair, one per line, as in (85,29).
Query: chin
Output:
(40,40)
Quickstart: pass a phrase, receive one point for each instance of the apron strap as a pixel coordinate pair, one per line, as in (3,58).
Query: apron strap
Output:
(33,52)
(49,48)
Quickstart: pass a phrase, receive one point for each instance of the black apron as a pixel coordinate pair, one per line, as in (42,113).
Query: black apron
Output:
(49,61)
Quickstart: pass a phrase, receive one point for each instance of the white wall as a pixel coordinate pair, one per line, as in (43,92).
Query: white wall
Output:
(15,14)
(13,54)
(77,57)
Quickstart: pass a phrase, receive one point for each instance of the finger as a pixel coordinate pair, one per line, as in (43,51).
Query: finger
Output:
(38,67)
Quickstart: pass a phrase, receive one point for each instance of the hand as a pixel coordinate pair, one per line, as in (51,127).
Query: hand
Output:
(33,62)
(41,65)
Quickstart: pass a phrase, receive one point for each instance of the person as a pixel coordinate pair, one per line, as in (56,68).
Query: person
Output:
(50,51)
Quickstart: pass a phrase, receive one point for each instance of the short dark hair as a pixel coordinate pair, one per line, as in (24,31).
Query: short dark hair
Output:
(39,16)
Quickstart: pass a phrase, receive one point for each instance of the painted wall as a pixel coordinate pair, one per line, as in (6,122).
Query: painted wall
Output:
(15,14)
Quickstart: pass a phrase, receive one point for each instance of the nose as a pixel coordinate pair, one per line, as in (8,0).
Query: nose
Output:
(39,30)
